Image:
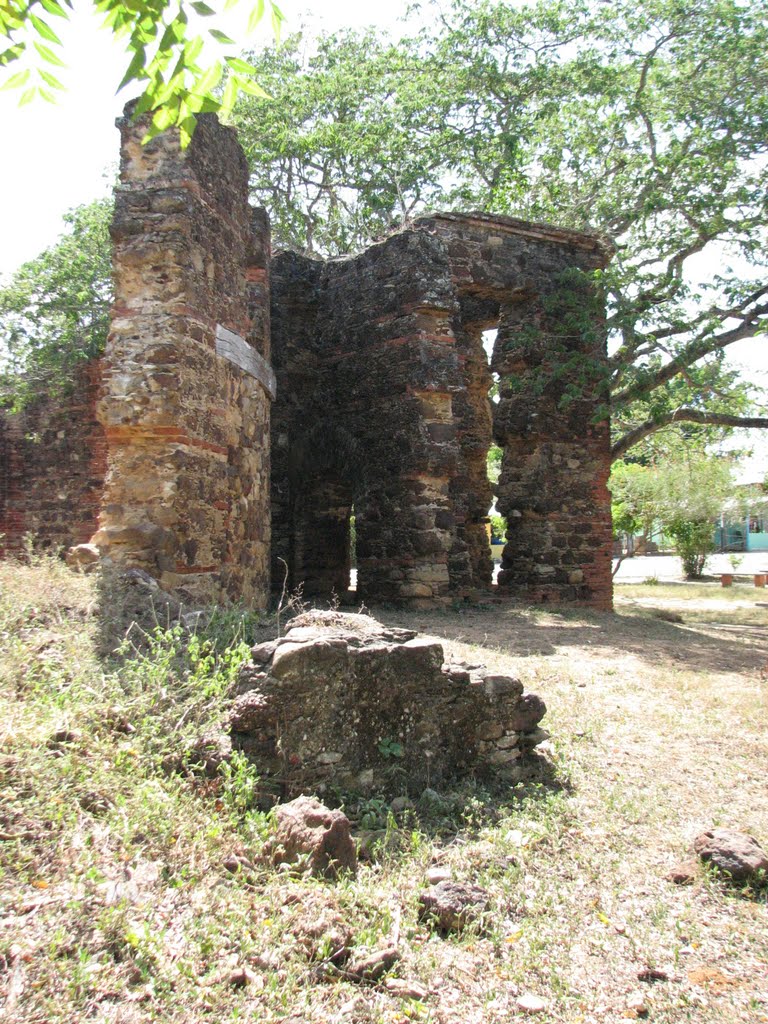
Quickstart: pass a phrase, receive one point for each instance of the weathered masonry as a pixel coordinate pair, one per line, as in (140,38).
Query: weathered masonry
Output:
(187,384)
(373,374)
(383,408)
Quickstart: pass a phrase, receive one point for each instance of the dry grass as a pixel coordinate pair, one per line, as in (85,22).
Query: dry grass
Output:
(116,906)
(707,602)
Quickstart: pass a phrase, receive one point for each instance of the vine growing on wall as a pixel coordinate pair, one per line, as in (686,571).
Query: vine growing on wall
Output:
(562,347)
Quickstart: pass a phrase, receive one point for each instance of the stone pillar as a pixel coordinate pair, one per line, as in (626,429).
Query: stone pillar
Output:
(550,354)
(405,523)
(187,384)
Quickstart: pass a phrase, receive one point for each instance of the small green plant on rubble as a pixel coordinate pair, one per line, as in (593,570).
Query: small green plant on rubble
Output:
(390,748)
(212,670)
(241,785)
(373,814)
(178,679)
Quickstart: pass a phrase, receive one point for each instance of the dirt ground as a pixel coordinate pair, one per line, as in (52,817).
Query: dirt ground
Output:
(659,729)
(723,629)
(116,906)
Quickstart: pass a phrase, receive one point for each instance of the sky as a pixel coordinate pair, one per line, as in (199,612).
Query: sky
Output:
(57,157)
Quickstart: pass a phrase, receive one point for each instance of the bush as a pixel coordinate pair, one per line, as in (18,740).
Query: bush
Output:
(694,542)
(498,529)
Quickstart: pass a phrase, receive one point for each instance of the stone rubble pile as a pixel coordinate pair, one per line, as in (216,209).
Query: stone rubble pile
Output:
(343,700)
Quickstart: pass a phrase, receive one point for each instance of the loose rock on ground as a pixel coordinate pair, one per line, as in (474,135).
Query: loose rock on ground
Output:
(737,853)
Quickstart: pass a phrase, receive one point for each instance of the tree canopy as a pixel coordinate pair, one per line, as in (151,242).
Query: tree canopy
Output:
(644,120)
(682,497)
(163,53)
(54,311)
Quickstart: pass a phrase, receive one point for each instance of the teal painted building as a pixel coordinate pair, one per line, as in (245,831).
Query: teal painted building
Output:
(744,528)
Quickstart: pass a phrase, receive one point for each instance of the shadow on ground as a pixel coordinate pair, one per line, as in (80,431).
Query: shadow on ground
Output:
(524,633)
(465,809)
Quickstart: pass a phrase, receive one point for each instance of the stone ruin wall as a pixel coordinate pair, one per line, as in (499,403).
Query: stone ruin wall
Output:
(363,419)
(52,464)
(164,446)
(382,403)
(187,384)
(549,356)
(383,408)
(553,487)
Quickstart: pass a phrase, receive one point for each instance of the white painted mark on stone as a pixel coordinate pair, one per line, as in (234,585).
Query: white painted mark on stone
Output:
(234,349)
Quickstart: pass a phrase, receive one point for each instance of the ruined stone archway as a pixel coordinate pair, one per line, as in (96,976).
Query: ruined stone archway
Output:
(387,348)
(382,398)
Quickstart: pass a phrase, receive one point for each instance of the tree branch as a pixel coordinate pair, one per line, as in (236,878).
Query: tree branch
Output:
(698,348)
(714,419)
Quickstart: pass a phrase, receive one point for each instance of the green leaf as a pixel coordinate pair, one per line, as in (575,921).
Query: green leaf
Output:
(251,88)
(145,103)
(221,37)
(237,64)
(137,65)
(186,130)
(167,40)
(277,20)
(11,54)
(229,97)
(47,54)
(10,20)
(115,23)
(44,30)
(255,16)
(163,119)
(209,80)
(207,105)
(17,80)
(54,7)
(180,29)
(27,96)
(193,50)
(203,10)
(50,79)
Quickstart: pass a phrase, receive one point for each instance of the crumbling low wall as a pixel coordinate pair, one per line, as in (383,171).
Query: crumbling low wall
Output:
(52,466)
(343,700)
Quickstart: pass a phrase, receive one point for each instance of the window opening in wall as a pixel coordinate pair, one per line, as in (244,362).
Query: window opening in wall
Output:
(497,528)
(489,340)
(352,550)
